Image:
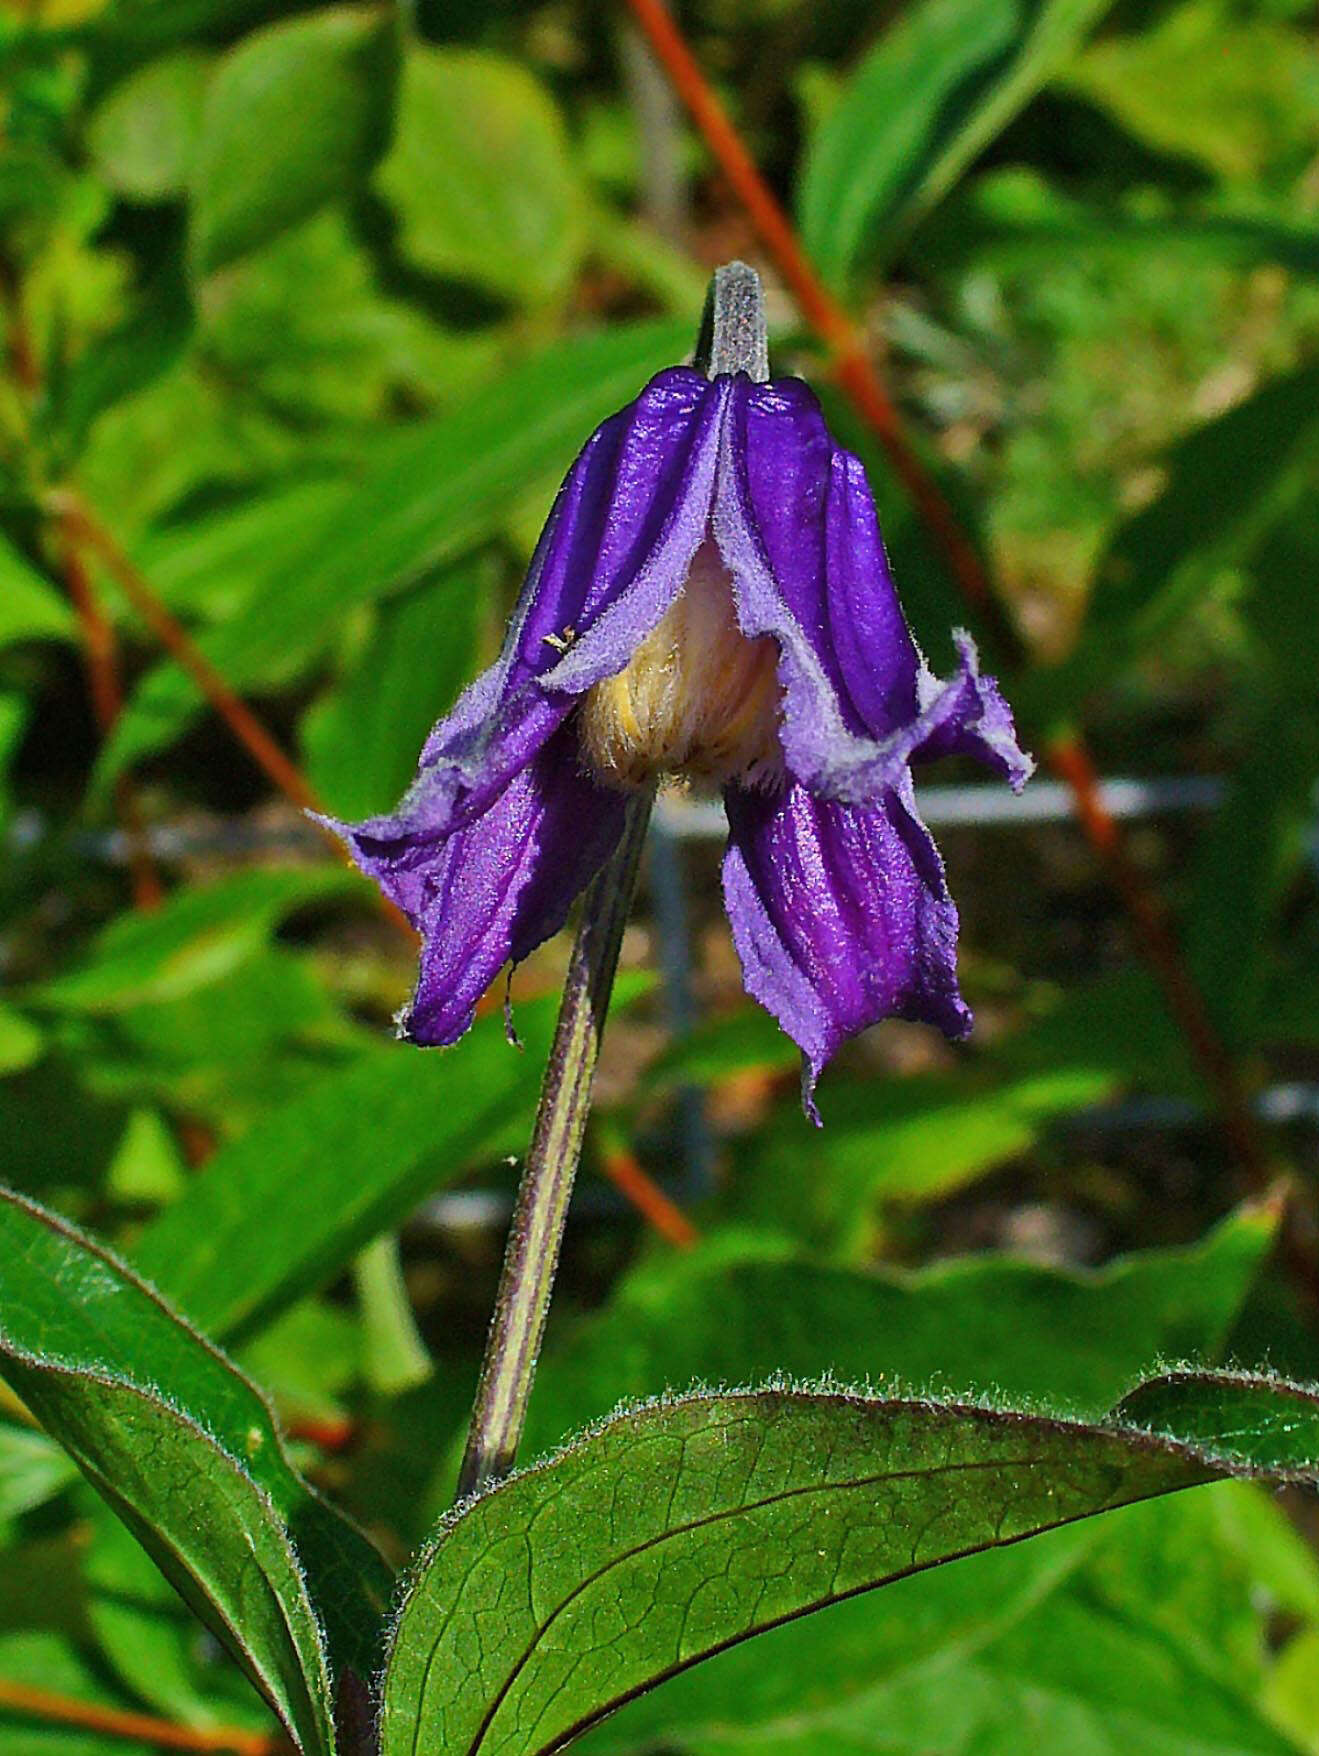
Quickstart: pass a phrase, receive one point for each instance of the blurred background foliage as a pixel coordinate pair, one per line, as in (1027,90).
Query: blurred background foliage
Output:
(306,308)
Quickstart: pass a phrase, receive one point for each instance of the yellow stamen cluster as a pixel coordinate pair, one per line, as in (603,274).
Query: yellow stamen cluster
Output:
(696,699)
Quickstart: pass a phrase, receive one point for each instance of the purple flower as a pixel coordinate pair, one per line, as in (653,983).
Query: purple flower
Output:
(710,600)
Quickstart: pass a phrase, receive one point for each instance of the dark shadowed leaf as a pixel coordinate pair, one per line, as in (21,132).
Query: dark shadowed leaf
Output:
(677,1530)
(186,1451)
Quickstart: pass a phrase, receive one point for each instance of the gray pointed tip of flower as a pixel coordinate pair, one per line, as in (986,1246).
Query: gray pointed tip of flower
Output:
(734,333)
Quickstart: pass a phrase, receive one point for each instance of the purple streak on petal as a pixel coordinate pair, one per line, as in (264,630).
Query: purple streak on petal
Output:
(795,521)
(496,888)
(652,516)
(841,917)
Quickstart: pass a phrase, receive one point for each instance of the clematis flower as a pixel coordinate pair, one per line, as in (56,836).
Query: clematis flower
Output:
(709,601)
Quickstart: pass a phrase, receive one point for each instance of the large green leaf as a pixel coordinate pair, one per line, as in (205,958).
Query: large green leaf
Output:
(931,94)
(480,178)
(677,1530)
(1152,1632)
(737,1309)
(428,495)
(295,116)
(187,1452)
(288,1205)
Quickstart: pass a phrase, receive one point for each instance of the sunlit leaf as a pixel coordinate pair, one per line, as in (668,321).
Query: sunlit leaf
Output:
(30,607)
(740,1308)
(286,1206)
(144,133)
(677,1530)
(295,115)
(186,1451)
(199,935)
(936,88)
(480,178)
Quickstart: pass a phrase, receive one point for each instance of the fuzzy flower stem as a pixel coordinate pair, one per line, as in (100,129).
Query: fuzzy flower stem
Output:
(532,1253)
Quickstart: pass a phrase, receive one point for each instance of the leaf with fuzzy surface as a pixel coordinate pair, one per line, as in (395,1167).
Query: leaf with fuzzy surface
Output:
(676,1531)
(186,1451)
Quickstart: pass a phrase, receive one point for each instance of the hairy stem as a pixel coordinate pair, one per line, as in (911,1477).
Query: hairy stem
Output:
(532,1253)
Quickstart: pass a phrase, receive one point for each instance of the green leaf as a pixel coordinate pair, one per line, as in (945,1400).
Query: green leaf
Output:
(1150,1634)
(674,1531)
(197,937)
(930,96)
(108,1368)
(33,1469)
(480,178)
(285,1207)
(295,117)
(30,607)
(1014,219)
(211,564)
(908,1141)
(143,135)
(429,495)
(362,743)
(1229,483)
(21,1042)
(738,1309)
(1236,1421)
(1235,91)
(186,1451)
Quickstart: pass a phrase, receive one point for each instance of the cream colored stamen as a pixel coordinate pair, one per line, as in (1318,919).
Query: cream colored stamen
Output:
(696,699)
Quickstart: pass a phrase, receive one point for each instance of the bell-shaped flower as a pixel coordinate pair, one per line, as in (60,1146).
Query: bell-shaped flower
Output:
(710,600)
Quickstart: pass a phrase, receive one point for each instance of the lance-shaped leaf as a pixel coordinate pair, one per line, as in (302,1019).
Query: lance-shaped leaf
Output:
(674,1532)
(187,1452)
(933,92)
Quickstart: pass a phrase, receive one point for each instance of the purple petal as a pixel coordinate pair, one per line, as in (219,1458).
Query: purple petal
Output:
(495,889)
(614,553)
(841,917)
(795,522)
(969,717)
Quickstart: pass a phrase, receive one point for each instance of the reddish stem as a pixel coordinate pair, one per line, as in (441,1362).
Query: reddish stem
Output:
(856,374)
(107,702)
(624,1170)
(142,1728)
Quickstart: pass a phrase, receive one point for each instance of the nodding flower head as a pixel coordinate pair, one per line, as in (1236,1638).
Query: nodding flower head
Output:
(710,600)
